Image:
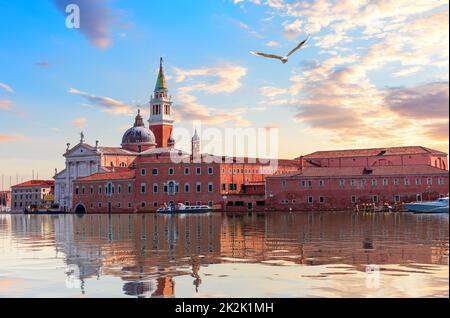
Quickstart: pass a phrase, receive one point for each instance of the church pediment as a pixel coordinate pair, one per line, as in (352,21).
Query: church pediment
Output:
(81,150)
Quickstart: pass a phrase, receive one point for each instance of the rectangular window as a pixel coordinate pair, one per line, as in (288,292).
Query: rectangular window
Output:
(310,200)
(353,183)
(99,204)
(385,182)
(321,199)
(143,188)
(429,181)
(210,170)
(354,199)
(129,205)
(407,182)
(396,198)
(129,188)
(155,188)
(342,183)
(187,188)
(92,190)
(321,183)
(224,187)
(396,182)
(441,181)
(210,187)
(198,171)
(198,187)
(418,181)
(375,199)
(155,171)
(143,172)
(171,171)
(283,184)
(186,171)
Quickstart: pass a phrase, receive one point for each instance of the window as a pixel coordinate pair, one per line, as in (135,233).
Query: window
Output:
(284,183)
(99,204)
(143,172)
(419,197)
(210,187)
(172,188)
(396,198)
(310,200)
(155,204)
(375,198)
(77,190)
(321,199)
(119,205)
(418,181)
(129,188)
(407,183)
(354,199)
(210,170)
(186,171)
(321,183)
(353,183)
(210,203)
(155,171)
(198,187)
(396,182)
(187,188)
(342,183)
(143,188)
(171,171)
(374,183)
(385,182)
(155,188)
(198,171)
(129,205)
(441,181)
(91,190)
(99,189)
(83,190)
(429,181)
(142,204)
(224,187)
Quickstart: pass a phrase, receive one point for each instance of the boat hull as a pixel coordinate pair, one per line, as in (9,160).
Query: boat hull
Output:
(186,211)
(426,208)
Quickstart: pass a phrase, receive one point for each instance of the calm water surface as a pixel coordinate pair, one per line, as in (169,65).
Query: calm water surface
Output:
(219,255)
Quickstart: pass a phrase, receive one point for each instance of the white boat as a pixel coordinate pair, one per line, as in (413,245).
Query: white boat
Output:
(181,208)
(437,206)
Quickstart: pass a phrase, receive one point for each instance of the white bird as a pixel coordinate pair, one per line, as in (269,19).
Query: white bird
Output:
(283,59)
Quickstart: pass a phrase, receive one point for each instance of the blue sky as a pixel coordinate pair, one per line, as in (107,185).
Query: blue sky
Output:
(375,73)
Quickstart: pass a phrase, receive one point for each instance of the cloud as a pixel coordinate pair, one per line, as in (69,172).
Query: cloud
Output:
(424,101)
(6,87)
(272,44)
(79,122)
(10,138)
(42,64)
(217,79)
(249,30)
(270,91)
(5,104)
(108,104)
(96,19)
(210,80)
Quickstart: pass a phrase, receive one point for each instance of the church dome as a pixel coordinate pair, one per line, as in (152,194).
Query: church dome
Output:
(138,134)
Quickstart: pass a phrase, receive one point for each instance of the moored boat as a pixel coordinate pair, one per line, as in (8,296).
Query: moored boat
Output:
(437,206)
(188,209)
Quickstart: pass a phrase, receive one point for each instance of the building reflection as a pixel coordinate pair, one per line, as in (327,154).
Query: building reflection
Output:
(148,252)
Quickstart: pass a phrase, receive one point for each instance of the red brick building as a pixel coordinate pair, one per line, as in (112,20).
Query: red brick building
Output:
(340,180)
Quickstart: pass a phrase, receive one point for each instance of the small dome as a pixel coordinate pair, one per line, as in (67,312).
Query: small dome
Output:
(139,133)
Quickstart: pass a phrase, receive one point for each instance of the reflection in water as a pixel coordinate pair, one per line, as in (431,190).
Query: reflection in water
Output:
(311,254)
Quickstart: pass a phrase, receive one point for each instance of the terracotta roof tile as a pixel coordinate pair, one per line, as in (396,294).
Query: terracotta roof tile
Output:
(119,175)
(36,183)
(409,150)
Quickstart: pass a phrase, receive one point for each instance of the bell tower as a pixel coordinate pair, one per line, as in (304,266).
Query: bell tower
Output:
(161,121)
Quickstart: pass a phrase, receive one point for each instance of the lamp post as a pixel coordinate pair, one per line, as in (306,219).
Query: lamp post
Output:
(224,203)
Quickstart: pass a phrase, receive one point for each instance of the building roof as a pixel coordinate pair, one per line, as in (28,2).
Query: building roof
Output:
(118,175)
(35,183)
(361,171)
(115,151)
(409,150)
(161,81)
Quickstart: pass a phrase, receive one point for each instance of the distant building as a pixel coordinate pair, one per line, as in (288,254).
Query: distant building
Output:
(341,180)
(34,193)
(5,199)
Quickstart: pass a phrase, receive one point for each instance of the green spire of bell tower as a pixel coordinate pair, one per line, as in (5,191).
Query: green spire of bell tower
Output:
(161,81)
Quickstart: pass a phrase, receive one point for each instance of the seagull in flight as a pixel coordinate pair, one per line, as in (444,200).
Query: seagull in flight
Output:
(283,59)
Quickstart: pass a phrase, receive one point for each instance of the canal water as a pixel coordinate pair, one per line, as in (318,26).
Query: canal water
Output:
(337,254)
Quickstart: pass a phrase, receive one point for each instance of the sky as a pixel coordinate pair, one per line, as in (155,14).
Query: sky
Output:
(374,73)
